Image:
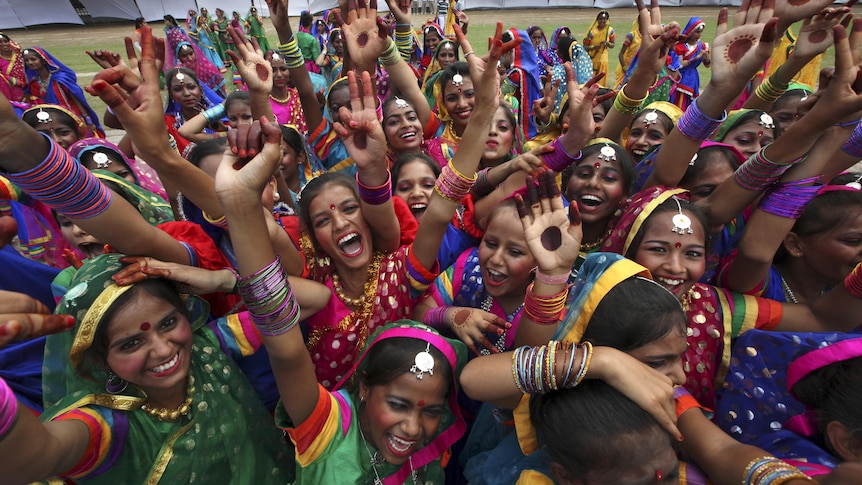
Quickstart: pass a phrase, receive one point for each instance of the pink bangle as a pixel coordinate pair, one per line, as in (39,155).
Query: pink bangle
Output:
(552,280)
(8,409)
(375,195)
(853,282)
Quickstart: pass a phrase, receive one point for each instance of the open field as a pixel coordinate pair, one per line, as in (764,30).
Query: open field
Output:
(68,43)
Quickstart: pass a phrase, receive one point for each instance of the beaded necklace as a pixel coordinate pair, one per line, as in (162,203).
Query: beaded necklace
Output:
(788,293)
(377,459)
(449,133)
(164,414)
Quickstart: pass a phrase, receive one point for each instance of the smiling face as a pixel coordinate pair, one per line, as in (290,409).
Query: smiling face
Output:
(5,45)
(400,417)
(64,135)
(432,39)
(459,102)
(446,55)
(501,135)
(833,254)
(402,127)
(280,74)
(598,188)
(185,92)
(415,186)
(505,259)
(33,60)
(80,238)
(602,20)
(339,227)
(749,137)
(642,137)
(676,261)
(239,113)
(149,345)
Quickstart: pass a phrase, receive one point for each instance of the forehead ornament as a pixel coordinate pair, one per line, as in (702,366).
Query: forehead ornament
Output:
(650,118)
(766,121)
(423,363)
(101,160)
(855,185)
(607,153)
(681,222)
(43,117)
(457,80)
(400,103)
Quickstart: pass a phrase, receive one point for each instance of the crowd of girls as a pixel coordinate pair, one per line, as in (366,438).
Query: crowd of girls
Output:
(390,258)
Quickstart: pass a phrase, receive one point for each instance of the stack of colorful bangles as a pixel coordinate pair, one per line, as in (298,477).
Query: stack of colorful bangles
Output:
(535,368)
(453,185)
(769,470)
(545,310)
(270,300)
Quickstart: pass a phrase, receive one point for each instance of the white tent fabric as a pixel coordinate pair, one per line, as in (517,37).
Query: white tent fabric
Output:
(39,12)
(156,9)
(8,19)
(117,9)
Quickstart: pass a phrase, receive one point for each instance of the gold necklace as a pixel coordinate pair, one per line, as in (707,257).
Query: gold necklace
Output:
(450,132)
(283,100)
(587,247)
(164,414)
(339,291)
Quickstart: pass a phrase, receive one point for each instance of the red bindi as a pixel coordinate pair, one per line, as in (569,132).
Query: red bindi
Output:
(659,475)
(759,134)
(597,165)
(421,403)
(145,326)
(332,207)
(677,245)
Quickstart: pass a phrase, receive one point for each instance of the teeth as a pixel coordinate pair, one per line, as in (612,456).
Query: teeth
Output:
(166,365)
(639,153)
(408,135)
(399,444)
(668,281)
(346,239)
(417,207)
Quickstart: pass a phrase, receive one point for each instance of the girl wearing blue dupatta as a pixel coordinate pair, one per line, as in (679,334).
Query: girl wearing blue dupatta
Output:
(692,53)
(52,82)
(523,81)
(203,41)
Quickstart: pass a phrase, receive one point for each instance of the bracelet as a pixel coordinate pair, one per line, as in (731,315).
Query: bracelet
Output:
(853,281)
(552,280)
(375,195)
(220,222)
(626,105)
(768,470)
(534,369)
(758,172)
(292,54)
(436,317)
(559,159)
(483,187)
(545,310)
(8,410)
(404,25)
(270,300)
(453,185)
(853,146)
(214,114)
(789,199)
(391,55)
(695,125)
(64,185)
(234,290)
(771,89)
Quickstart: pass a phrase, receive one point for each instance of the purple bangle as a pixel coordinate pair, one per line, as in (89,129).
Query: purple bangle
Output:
(375,195)
(8,409)
(789,199)
(853,146)
(436,317)
(694,124)
(559,159)
(758,172)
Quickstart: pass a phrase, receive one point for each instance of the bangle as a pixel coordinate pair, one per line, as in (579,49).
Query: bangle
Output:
(853,146)
(545,310)
(453,185)
(559,159)
(789,199)
(552,280)
(758,172)
(8,410)
(853,282)
(534,369)
(220,222)
(292,54)
(234,290)
(626,105)
(436,317)
(483,187)
(270,300)
(404,25)
(64,185)
(391,55)
(768,470)
(375,195)
(695,125)
(214,114)
(770,89)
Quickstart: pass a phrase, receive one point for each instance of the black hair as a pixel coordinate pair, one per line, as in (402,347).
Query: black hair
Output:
(606,104)
(236,97)
(206,148)
(708,157)
(663,118)
(634,313)
(827,211)
(564,43)
(87,156)
(335,32)
(504,205)
(533,29)
(670,206)
(139,22)
(305,18)
(392,99)
(169,77)
(95,356)
(449,42)
(57,115)
(294,140)
(408,158)
(314,188)
(788,96)
(612,431)
(388,359)
(624,165)
(753,115)
(458,67)
(834,392)
(168,18)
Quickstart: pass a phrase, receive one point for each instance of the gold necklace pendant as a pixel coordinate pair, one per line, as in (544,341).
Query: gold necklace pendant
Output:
(283,100)
(164,414)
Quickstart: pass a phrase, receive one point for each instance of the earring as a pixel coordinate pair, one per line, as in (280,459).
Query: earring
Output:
(115,384)
(276,196)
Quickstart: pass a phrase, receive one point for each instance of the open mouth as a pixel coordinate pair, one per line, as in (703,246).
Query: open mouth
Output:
(590,201)
(399,446)
(167,367)
(464,115)
(639,153)
(350,244)
(410,135)
(91,250)
(495,278)
(418,208)
(674,285)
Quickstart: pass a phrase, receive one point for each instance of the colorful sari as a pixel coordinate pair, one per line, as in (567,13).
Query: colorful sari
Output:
(207,73)
(716,316)
(524,77)
(688,86)
(807,75)
(62,89)
(174,117)
(599,54)
(204,43)
(760,409)
(13,77)
(632,44)
(330,447)
(226,438)
(256,30)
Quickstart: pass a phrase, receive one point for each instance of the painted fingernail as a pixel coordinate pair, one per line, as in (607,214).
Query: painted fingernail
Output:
(70,321)
(681,438)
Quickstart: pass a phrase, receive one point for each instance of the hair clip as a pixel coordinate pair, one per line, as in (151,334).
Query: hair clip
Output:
(650,118)
(101,160)
(766,121)
(276,57)
(607,153)
(400,103)
(681,222)
(423,363)
(855,185)
(693,160)
(43,117)
(457,80)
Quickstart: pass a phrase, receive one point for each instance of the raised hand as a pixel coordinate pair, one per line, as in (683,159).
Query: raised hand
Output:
(473,325)
(582,126)
(791,11)
(194,280)
(542,108)
(842,98)
(22,318)
(360,128)
(739,52)
(365,34)
(248,59)
(105,58)
(657,38)
(815,35)
(552,233)
(480,72)
(400,9)
(249,162)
